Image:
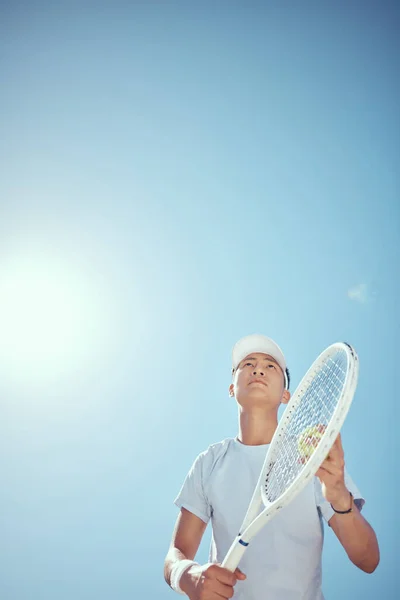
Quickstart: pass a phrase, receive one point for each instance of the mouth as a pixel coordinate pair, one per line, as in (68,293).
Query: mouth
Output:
(258,381)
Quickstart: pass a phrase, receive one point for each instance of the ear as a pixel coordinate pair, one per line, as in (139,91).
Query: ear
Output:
(231,390)
(285,397)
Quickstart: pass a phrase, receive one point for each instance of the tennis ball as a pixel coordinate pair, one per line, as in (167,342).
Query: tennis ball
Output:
(309,440)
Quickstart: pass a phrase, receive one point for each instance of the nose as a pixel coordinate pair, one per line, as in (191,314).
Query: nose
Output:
(258,372)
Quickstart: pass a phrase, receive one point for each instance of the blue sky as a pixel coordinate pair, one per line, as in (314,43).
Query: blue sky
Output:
(175,175)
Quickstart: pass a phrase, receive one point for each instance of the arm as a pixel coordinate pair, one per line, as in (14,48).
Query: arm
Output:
(208,581)
(185,542)
(356,535)
(352,530)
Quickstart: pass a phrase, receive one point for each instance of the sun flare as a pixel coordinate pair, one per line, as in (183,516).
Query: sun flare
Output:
(50,319)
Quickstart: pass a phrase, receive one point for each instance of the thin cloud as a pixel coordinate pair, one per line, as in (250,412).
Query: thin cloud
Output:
(359,293)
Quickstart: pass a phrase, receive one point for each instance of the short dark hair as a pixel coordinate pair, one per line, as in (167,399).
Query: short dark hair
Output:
(287,377)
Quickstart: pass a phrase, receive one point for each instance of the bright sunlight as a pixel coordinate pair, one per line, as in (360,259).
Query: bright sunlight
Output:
(51,319)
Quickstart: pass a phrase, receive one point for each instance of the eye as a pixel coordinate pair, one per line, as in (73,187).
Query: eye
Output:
(271,366)
(249,364)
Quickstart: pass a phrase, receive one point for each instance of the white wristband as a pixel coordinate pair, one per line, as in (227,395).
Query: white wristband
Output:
(177,571)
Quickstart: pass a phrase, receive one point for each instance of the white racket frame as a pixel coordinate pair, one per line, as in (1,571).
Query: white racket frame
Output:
(252,523)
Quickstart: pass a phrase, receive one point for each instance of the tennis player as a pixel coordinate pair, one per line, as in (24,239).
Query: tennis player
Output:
(283,562)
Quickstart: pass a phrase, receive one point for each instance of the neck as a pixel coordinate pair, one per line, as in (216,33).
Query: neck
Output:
(257,427)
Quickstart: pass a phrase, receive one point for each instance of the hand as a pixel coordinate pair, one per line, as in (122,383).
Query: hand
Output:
(209,582)
(331,476)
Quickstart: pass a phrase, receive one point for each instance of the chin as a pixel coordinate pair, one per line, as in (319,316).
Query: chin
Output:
(256,400)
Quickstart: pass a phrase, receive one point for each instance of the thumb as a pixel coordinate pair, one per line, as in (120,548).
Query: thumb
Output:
(239,574)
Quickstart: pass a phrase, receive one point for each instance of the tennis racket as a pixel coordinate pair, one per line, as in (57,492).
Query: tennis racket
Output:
(306,432)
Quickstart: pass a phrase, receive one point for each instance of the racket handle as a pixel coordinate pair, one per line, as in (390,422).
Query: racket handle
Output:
(235,553)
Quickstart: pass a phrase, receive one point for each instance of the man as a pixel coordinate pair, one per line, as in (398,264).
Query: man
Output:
(283,562)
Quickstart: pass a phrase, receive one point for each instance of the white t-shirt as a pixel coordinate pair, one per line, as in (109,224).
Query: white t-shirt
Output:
(283,561)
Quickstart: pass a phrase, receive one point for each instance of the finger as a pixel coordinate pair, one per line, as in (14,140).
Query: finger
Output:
(239,574)
(336,457)
(337,448)
(330,479)
(321,473)
(333,454)
(225,576)
(326,475)
(221,589)
(339,442)
(332,467)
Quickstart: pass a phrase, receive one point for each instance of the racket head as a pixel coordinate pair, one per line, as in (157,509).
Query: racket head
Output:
(310,423)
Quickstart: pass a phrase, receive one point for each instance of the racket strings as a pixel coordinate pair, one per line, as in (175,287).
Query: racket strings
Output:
(307,423)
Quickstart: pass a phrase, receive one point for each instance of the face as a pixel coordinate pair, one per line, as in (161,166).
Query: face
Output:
(259,381)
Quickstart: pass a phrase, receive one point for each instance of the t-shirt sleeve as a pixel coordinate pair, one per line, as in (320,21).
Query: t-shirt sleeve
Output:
(325,508)
(192,495)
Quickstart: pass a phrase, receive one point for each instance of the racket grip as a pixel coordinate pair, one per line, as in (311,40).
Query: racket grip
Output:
(234,555)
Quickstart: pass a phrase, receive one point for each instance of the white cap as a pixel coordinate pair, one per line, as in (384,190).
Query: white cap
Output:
(258,343)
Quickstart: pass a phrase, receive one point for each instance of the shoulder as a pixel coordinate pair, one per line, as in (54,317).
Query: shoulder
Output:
(219,447)
(210,457)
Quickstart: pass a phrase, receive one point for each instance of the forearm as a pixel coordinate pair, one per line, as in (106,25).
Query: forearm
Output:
(358,539)
(172,561)
(188,533)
